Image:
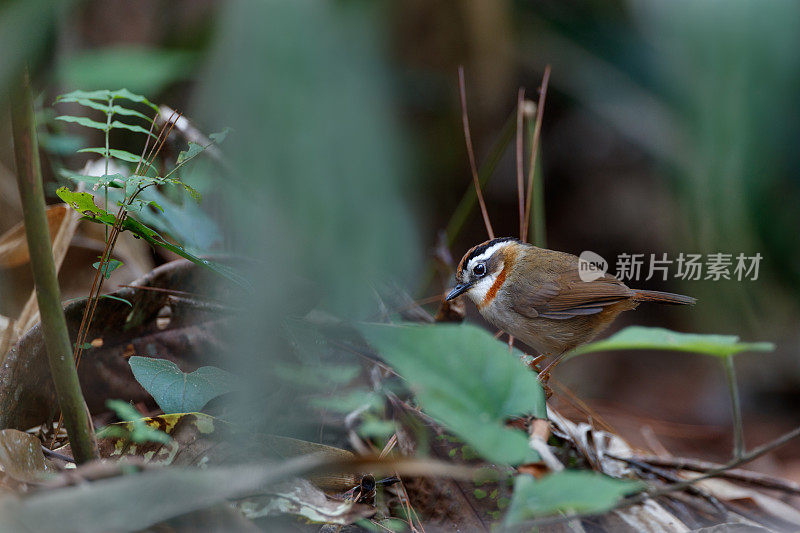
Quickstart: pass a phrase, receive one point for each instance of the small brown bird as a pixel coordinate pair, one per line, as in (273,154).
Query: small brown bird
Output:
(538,296)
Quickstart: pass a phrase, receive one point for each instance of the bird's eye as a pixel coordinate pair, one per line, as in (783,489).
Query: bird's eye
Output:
(479,269)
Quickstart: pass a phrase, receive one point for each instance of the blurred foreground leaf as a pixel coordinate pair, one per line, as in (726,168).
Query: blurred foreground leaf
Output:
(107,504)
(466,379)
(642,338)
(567,491)
(176,391)
(136,428)
(141,69)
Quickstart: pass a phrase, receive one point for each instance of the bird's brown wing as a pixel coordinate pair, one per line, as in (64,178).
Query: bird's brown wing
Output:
(565,295)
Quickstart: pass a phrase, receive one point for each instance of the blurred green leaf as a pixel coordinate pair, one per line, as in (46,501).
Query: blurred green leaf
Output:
(83,121)
(373,427)
(112,180)
(219,136)
(350,401)
(143,70)
(642,338)
(119,154)
(466,379)
(580,491)
(176,391)
(109,267)
(139,432)
(193,151)
(107,505)
(76,96)
(89,123)
(115,109)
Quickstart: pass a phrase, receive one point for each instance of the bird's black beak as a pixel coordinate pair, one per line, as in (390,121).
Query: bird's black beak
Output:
(458,290)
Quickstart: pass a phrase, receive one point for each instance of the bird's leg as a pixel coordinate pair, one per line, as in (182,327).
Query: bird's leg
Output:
(511,344)
(544,375)
(535,362)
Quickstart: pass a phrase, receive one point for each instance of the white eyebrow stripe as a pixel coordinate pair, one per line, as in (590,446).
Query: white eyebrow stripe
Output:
(489,252)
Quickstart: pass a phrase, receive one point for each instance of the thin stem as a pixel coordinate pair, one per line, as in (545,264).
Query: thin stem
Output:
(539,207)
(485,172)
(733,389)
(48,293)
(109,115)
(471,153)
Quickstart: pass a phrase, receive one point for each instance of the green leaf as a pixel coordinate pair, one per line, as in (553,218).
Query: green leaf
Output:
(99,100)
(112,180)
(75,96)
(141,69)
(194,150)
(105,108)
(84,121)
(127,95)
(112,297)
(141,432)
(466,379)
(642,338)
(83,202)
(131,127)
(109,267)
(580,491)
(176,391)
(119,154)
(220,136)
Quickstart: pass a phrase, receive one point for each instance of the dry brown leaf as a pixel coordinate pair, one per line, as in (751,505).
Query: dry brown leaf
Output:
(727,491)
(21,459)
(14,244)
(650,517)
(60,244)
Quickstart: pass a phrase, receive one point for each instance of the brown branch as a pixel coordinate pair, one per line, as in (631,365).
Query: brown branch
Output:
(471,153)
(696,465)
(535,148)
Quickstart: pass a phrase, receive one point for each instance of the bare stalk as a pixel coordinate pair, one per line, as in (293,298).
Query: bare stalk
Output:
(48,294)
(485,172)
(471,152)
(520,156)
(733,389)
(536,216)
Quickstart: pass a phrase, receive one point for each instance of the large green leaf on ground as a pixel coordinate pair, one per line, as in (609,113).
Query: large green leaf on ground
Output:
(642,338)
(176,391)
(467,380)
(581,491)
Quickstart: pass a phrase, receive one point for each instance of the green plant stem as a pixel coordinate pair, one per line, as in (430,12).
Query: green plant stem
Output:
(538,235)
(107,157)
(733,389)
(48,294)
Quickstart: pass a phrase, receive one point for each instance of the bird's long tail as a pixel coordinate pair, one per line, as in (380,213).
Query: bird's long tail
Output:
(663,297)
